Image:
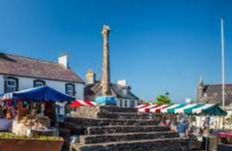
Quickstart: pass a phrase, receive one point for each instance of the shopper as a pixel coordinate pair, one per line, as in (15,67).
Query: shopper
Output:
(182,128)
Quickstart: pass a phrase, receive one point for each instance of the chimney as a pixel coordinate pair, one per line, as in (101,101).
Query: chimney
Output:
(64,61)
(122,82)
(106,62)
(90,77)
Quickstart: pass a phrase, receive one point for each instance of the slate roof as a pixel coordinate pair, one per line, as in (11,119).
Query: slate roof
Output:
(28,67)
(91,91)
(212,93)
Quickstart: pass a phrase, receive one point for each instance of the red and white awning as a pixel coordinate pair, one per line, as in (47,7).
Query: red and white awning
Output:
(158,108)
(146,109)
(152,108)
(79,103)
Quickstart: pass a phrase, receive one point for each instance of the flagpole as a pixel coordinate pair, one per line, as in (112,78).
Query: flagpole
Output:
(223,63)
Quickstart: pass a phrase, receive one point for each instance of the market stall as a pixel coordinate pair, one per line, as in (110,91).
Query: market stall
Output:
(84,109)
(199,116)
(38,94)
(225,141)
(34,109)
(33,113)
(188,109)
(79,103)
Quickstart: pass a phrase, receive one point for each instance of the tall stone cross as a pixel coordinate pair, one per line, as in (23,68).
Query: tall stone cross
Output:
(106,62)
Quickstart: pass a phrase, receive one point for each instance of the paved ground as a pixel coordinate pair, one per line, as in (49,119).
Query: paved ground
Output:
(189,150)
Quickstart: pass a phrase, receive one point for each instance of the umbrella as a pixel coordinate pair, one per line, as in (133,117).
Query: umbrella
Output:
(40,94)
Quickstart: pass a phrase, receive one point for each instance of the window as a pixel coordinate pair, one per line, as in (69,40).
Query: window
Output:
(132,104)
(38,83)
(11,84)
(125,103)
(70,89)
(121,103)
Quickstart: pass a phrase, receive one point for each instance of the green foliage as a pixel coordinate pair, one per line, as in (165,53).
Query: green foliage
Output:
(40,138)
(163,99)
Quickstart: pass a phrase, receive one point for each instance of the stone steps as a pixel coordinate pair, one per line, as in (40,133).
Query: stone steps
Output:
(65,133)
(167,144)
(104,122)
(118,137)
(123,129)
(117,109)
(111,128)
(73,128)
(122,115)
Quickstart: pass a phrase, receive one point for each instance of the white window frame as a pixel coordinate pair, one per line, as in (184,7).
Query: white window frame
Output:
(132,103)
(70,89)
(11,87)
(125,103)
(38,83)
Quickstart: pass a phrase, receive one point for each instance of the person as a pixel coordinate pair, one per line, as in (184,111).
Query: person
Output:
(5,124)
(1,110)
(168,123)
(162,123)
(182,128)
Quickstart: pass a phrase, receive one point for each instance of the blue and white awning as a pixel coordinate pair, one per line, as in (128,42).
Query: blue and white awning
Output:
(7,96)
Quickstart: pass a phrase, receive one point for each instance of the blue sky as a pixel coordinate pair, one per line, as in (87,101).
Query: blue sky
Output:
(156,45)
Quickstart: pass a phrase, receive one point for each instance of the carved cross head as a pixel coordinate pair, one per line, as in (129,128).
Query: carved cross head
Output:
(106,29)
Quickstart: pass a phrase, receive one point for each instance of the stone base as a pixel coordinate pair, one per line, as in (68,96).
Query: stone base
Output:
(86,122)
(124,129)
(167,144)
(93,139)
(86,112)
(110,128)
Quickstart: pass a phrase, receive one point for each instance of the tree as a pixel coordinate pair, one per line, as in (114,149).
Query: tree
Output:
(163,99)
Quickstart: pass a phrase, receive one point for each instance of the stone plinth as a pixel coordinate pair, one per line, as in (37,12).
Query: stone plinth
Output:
(121,129)
(86,112)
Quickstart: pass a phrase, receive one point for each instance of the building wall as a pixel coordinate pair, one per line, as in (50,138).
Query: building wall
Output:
(25,83)
(1,85)
(124,104)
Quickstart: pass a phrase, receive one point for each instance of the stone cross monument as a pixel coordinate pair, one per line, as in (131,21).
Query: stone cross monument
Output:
(106,62)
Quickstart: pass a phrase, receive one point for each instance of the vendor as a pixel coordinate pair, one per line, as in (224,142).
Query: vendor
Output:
(22,110)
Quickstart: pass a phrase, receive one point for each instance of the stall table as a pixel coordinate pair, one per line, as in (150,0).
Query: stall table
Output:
(225,141)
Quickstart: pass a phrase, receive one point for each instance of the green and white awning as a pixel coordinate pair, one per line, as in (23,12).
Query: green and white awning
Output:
(196,109)
(189,109)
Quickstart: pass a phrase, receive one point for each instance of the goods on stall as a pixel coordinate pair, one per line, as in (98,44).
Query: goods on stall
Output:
(226,137)
(29,122)
(84,109)
(86,112)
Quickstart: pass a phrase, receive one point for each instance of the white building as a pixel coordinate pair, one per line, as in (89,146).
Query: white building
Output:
(120,90)
(19,73)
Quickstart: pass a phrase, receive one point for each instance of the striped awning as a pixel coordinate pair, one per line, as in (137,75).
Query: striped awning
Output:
(189,109)
(158,108)
(7,96)
(151,108)
(79,103)
(165,110)
(146,109)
